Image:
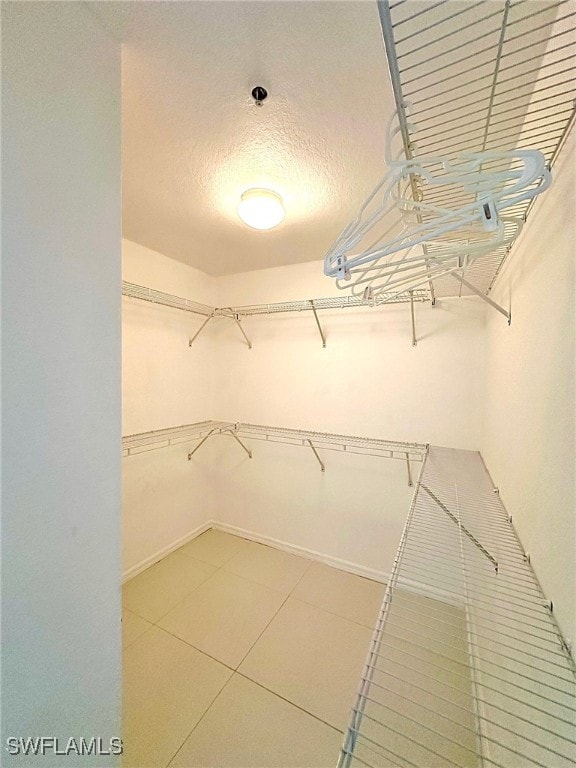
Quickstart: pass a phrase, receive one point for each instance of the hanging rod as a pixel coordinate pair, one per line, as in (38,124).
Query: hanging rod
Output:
(479,90)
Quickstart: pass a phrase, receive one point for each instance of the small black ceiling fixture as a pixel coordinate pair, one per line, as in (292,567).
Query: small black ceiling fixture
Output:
(259,93)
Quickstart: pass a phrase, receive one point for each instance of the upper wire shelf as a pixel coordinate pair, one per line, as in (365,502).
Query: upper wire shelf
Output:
(478,77)
(305,305)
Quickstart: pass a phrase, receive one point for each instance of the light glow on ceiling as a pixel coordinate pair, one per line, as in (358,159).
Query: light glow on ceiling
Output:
(261,208)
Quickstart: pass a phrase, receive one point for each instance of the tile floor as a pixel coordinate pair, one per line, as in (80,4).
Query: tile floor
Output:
(238,655)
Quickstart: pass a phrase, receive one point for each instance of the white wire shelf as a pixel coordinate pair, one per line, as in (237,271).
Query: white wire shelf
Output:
(163,438)
(153,296)
(165,299)
(333,442)
(467,666)
(335,302)
(475,77)
(305,305)
(200,431)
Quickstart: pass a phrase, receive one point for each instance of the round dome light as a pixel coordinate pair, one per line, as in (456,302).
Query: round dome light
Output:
(261,208)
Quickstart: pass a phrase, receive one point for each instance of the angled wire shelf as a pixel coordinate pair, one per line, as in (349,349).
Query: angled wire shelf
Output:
(201,431)
(480,77)
(467,666)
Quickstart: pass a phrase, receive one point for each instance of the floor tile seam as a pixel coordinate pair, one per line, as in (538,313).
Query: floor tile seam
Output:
(265,628)
(131,643)
(289,701)
(155,623)
(201,717)
(332,613)
(199,650)
(258,583)
(310,564)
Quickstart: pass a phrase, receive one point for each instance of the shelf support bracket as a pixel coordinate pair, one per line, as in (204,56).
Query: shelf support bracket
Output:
(199,331)
(322,467)
(465,530)
(236,317)
(483,296)
(414,341)
(318,323)
(235,436)
(410,483)
(201,442)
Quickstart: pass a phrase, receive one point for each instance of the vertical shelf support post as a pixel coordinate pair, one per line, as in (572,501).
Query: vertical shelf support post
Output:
(414,341)
(410,483)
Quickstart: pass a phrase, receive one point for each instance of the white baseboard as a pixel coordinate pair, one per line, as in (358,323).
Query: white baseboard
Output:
(335,562)
(161,553)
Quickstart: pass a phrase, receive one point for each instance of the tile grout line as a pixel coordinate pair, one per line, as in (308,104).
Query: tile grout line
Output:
(234,670)
(204,562)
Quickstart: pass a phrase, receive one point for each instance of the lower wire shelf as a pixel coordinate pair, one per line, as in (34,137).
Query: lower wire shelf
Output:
(467,665)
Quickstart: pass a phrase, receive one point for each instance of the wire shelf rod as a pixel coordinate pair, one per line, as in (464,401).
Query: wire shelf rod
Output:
(512,592)
(564,666)
(453,741)
(465,86)
(495,651)
(456,129)
(494,621)
(429,520)
(453,704)
(485,686)
(448,51)
(485,719)
(462,527)
(467,9)
(508,578)
(439,22)
(488,49)
(420,725)
(500,678)
(419,13)
(380,752)
(433,579)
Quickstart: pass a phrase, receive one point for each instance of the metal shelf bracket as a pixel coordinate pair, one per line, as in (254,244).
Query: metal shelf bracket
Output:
(465,530)
(414,340)
(318,324)
(322,467)
(199,331)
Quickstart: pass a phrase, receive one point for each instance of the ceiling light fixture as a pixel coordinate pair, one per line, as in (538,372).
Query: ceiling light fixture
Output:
(261,208)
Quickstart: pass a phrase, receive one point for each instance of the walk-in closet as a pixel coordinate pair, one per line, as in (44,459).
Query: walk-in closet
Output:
(330,300)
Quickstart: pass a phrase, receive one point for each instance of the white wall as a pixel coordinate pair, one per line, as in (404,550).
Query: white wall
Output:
(368,381)
(529,437)
(60,378)
(165,383)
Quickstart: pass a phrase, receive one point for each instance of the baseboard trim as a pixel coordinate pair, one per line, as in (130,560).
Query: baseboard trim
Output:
(161,553)
(335,562)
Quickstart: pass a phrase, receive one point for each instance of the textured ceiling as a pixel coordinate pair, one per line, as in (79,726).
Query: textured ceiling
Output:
(193,140)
